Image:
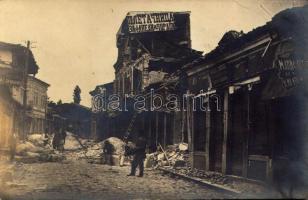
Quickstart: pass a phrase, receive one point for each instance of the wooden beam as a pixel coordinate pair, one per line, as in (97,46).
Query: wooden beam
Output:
(225,131)
(192,125)
(175,132)
(189,132)
(150,128)
(165,130)
(182,125)
(272,138)
(237,55)
(207,136)
(188,126)
(246,136)
(156,129)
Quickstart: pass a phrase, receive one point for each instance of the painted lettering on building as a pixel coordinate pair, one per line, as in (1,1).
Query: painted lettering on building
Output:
(150,22)
(290,71)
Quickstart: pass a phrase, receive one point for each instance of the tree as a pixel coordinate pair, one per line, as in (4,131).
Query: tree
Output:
(50,103)
(76,95)
(59,102)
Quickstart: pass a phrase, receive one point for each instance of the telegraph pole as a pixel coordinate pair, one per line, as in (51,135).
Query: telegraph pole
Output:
(25,82)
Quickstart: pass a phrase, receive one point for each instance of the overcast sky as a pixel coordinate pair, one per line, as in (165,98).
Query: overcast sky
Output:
(75,40)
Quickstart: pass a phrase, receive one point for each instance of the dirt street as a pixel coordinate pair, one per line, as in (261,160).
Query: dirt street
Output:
(74,179)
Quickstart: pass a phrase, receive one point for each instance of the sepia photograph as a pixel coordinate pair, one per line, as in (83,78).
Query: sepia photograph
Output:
(153,99)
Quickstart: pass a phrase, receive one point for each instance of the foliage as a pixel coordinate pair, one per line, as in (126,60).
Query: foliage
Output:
(76,95)
(59,102)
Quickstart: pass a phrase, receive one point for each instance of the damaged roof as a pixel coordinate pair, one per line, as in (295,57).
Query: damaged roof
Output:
(287,23)
(108,86)
(19,58)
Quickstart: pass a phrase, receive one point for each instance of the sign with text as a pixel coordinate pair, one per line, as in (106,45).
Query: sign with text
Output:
(150,22)
(290,71)
(10,76)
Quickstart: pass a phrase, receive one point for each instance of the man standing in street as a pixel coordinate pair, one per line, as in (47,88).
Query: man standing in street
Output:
(12,146)
(107,153)
(138,157)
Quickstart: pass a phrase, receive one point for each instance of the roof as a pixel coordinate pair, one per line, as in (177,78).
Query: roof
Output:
(150,12)
(292,21)
(20,52)
(286,23)
(108,86)
(233,44)
(39,81)
(73,111)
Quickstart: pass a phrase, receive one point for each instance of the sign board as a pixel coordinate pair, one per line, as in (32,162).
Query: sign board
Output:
(10,76)
(150,22)
(290,71)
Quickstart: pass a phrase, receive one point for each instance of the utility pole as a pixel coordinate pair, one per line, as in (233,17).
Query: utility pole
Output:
(25,82)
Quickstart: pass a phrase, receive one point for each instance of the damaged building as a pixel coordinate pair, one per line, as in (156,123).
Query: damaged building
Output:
(258,78)
(102,125)
(252,85)
(36,102)
(146,59)
(18,115)
(72,117)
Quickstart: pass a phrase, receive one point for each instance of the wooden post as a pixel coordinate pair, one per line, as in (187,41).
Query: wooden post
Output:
(246,136)
(165,130)
(207,136)
(156,129)
(25,95)
(150,128)
(192,129)
(189,132)
(188,126)
(225,131)
(132,81)
(183,121)
(175,136)
(272,139)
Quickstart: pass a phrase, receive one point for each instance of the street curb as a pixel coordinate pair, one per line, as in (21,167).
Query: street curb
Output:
(208,184)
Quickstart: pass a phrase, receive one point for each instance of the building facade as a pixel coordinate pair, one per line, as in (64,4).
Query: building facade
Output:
(73,117)
(245,99)
(150,53)
(254,89)
(101,121)
(13,59)
(37,100)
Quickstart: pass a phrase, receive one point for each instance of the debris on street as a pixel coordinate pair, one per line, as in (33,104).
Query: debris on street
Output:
(36,148)
(72,142)
(238,184)
(173,156)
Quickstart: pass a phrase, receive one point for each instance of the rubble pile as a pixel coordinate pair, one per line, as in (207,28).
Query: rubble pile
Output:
(71,142)
(36,148)
(94,152)
(213,177)
(117,147)
(220,179)
(39,140)
(173,156)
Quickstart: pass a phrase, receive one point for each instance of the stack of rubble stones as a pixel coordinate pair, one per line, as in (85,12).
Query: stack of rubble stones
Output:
(175,156)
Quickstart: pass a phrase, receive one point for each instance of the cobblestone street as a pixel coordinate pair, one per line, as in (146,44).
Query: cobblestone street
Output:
(81,180)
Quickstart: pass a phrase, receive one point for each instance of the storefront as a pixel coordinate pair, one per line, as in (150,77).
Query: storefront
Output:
(260,127)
